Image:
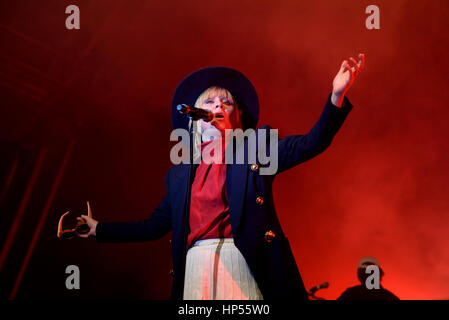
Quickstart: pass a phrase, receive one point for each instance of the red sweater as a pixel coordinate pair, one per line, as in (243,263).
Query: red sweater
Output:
(209,209)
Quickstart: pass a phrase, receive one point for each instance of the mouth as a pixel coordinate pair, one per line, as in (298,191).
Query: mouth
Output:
(218,116)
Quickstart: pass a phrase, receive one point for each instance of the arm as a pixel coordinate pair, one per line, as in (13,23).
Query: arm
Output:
(155,227)
(296,149)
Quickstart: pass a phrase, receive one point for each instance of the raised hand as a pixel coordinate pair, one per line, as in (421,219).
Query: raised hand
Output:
(349,71)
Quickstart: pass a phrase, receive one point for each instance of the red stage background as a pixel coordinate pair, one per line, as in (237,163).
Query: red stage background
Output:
(380,189)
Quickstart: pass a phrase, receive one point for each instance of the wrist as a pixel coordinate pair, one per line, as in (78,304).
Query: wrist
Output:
(94,233)
(337,98)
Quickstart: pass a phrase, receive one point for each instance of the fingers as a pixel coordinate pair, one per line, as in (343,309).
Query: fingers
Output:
(85,235)
(348,68)
(356,67)
(85,219)
(351,71)
(362,61)
(343,65)
(89,210)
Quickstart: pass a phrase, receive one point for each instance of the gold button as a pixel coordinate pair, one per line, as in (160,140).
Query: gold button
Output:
(254,167)
(259,201)
(172,273)
(269,236)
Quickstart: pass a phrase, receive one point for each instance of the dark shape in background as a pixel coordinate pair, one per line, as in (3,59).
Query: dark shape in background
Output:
(380,189)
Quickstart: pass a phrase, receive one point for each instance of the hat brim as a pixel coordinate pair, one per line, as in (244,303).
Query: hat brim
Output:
(368,261)
(234,81)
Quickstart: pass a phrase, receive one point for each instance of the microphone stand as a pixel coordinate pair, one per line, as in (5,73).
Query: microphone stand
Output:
(311,292)
(189,191)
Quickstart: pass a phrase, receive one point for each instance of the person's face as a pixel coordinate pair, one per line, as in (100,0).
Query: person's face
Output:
(226,113)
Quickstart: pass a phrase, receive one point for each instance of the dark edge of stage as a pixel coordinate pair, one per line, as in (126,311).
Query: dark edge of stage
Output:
(161,309)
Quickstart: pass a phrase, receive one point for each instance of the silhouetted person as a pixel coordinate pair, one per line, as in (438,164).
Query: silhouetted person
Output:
(362,292)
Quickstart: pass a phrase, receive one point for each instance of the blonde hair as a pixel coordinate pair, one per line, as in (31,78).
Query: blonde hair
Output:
(206,94)
(212,92)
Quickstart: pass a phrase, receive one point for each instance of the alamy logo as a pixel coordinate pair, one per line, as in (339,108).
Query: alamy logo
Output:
(73,280)
(73,20)
(373,20)
(257,150)
(373,280)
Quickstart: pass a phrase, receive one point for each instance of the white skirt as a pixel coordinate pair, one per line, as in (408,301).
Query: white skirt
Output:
(216,270)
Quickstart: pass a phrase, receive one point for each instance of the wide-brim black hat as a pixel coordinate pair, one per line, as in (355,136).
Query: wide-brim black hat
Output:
(234,81)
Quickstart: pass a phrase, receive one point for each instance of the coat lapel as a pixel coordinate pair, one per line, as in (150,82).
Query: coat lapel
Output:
(236,178)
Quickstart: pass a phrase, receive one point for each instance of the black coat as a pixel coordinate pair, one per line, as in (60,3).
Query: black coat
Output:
(271,262)
(361,292)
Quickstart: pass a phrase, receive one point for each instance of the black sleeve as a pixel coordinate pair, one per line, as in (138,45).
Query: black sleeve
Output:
(295,149)
(156,226)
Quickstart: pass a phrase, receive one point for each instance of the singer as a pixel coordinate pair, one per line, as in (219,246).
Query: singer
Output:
(231,244)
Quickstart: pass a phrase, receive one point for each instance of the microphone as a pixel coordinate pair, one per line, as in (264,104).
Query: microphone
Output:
(318,287)
(195,113)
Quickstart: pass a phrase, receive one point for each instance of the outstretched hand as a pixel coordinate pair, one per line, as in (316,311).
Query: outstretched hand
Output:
(92,223)
(345,78)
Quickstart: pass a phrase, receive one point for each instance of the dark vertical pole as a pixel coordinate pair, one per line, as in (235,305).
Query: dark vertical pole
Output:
(187,210)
